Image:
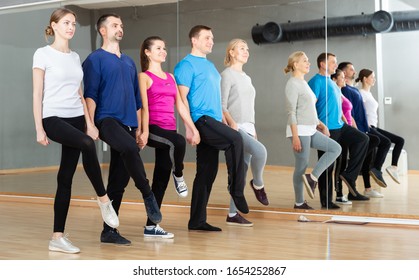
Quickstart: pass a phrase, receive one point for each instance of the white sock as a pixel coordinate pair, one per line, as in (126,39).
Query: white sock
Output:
(299,204)
(150,227)
(179,179)
(258,187)
(231,215)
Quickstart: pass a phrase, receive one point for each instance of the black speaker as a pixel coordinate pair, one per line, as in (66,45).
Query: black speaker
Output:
(382,21)
(271,32)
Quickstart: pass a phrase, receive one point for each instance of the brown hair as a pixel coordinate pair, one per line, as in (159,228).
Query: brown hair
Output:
(323,57)
(336,74)
(100,22)
(293,58)
(194,32)
(56,16)
(364,73)
(228,60)
(146,45)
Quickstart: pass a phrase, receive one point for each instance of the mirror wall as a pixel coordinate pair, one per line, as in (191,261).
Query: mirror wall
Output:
(22,30)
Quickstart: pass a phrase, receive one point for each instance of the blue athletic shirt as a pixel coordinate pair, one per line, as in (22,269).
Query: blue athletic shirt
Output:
(329,101)
(204,83)
(112,82)
(358,110)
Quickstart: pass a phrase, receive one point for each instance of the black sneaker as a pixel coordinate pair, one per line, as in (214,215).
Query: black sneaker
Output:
(152,209)
(377,175)
(310,184)
(303,206)
(113,236)
(358,197)
(260,194)
(330,206)
(205,227)
(349,183)
(238,220)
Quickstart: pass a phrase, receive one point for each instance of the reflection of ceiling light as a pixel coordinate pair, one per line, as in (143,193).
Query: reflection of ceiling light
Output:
(29,4)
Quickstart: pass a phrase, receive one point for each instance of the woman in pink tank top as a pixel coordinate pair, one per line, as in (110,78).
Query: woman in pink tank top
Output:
(160,96)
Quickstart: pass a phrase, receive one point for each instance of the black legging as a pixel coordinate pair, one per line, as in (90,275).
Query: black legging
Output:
(169,154)
(69,132)
(341,164)
(387,138)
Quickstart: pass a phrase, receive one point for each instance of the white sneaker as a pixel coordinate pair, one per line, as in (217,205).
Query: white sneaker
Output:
(343,200)
(108,214)
(180,186)
(393,172)
(63,244)
(373,193)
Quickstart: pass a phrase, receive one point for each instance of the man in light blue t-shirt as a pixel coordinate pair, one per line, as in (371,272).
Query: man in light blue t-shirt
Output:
(199,86)
(329,111)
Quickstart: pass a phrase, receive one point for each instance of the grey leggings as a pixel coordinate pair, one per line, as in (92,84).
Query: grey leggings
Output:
(255,155)
(320,142)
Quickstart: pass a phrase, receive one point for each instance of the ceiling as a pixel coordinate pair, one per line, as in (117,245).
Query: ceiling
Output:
(87,4)
(105,4)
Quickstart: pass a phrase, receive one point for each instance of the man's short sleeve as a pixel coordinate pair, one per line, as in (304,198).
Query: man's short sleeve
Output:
(184,73)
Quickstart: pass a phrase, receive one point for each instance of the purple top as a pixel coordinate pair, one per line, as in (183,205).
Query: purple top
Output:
(161,101)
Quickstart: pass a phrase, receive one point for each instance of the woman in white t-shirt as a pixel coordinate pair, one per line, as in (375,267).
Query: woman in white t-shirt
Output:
(367,78)
(60,114)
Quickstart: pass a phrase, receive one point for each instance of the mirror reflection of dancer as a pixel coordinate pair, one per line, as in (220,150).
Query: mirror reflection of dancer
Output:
(329,110)
(238,101)
(159,95)
(61,115)
(113,100)
(305,130)
(367,78)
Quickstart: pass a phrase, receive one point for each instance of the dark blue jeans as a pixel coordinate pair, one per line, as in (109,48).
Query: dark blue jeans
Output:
(125,161)
(357,144)
(215,136)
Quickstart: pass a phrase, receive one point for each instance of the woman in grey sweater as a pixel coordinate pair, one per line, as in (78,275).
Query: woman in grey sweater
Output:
(238,103)
(305,130)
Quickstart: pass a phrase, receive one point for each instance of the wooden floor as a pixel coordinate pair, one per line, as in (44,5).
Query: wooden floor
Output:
(26,219)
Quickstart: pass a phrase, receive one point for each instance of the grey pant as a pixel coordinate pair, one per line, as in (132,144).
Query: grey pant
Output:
(319,142)
(255,155)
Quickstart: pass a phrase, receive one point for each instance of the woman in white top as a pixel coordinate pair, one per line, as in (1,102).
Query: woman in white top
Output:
(367,78)
(305,130)
(60,114)
(238,103)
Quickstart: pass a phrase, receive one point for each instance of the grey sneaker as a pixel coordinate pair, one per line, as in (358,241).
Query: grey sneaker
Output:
(108,214)
(158,232)
(63,244)
(392,171)
(152,209)
(180,186)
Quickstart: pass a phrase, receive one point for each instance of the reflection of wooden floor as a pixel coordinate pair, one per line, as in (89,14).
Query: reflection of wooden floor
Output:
(399,201)
(27,224)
